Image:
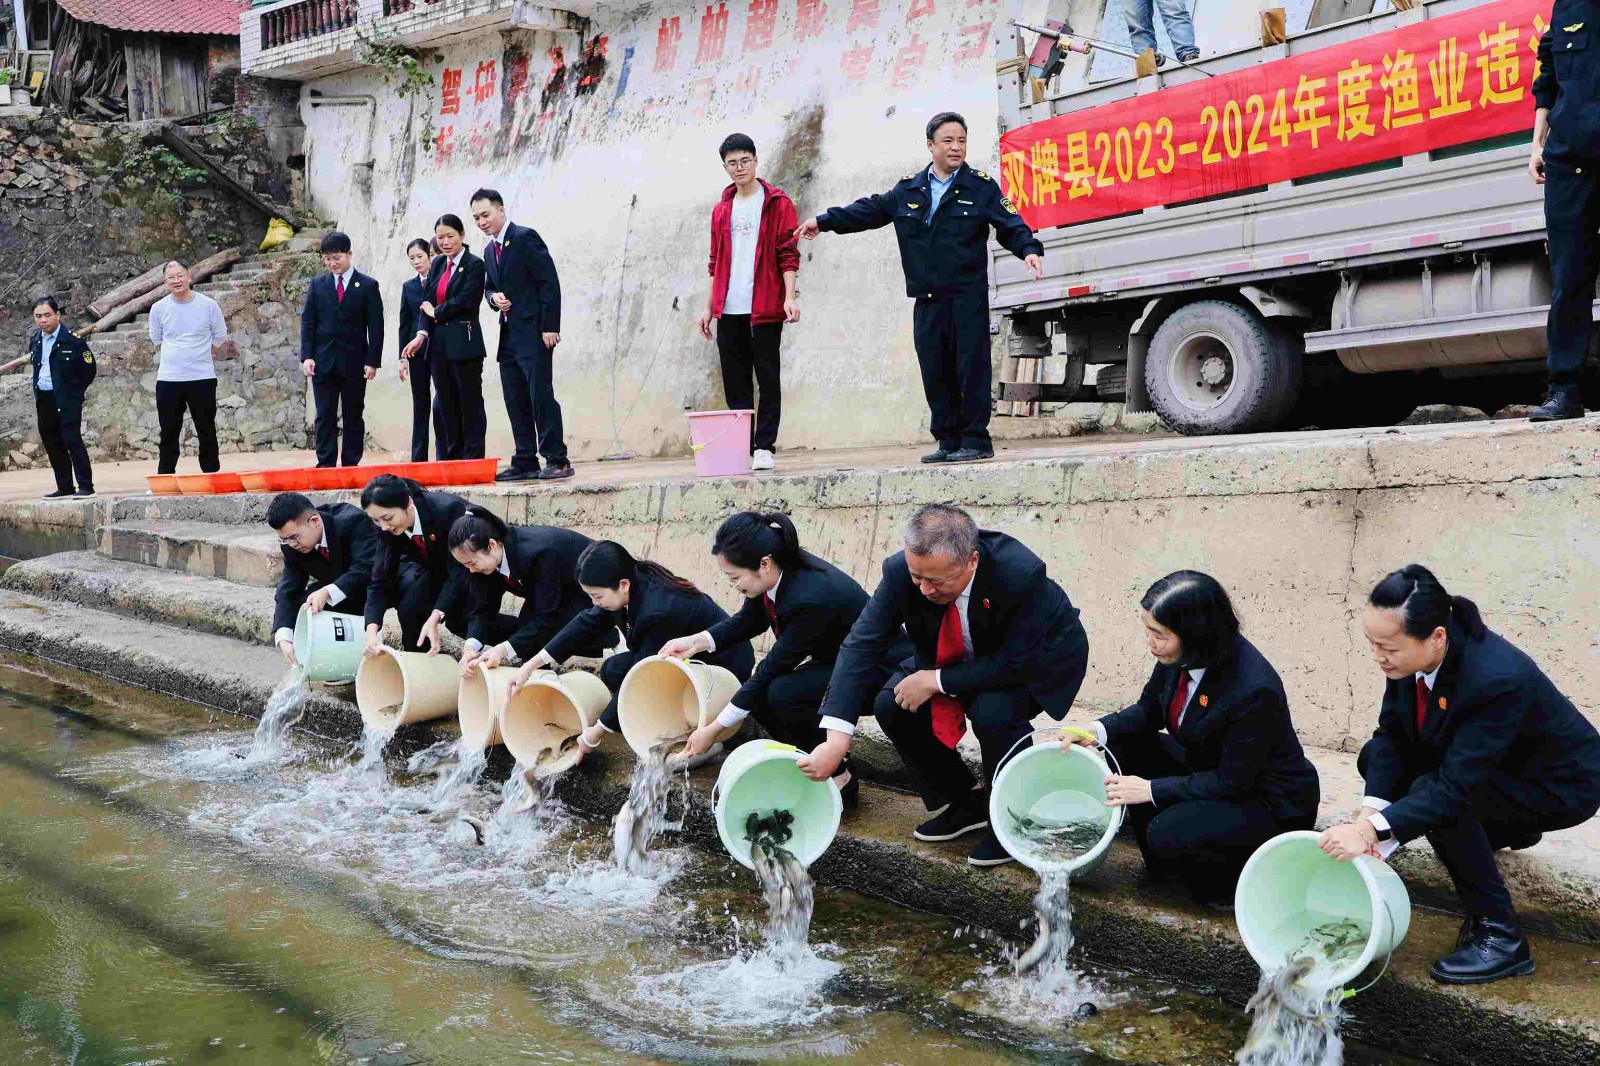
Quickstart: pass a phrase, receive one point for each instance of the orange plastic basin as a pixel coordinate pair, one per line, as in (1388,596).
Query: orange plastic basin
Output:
(209,484)
(254,480)
(464,471)
(164,484)
(323,478)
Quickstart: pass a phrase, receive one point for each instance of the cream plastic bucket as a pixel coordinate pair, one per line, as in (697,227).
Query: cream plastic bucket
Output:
(665,699)
(397,688)
(546,714)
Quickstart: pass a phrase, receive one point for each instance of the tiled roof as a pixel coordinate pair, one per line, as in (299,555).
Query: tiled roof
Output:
(160,16)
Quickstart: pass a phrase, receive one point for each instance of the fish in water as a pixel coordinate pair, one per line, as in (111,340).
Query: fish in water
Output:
(784,883)
(1058,841)
(466,831)
(1041,946)
(1293,1025)
(1336,942)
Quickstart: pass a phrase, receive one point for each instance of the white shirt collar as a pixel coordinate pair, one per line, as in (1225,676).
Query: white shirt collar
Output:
(773,591)
(1195,675)
(323,543)
(349,272)
(53,336)
(966,593)
(455,260)
(500,238)
(416,527)
(1429,678)
(505,562)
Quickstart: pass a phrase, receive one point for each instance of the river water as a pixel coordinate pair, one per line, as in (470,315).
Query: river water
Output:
(163,899)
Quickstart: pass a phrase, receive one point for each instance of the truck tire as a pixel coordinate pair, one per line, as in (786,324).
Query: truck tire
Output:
(1217,367)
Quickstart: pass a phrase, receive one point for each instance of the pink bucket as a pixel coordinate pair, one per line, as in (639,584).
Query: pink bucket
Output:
(721,442)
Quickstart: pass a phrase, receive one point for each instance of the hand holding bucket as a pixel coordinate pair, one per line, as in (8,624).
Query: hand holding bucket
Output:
(1046,790)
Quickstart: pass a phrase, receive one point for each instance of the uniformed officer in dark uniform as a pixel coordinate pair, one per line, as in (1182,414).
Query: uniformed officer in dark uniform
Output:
(63,367)
(941,215)
(1566,161)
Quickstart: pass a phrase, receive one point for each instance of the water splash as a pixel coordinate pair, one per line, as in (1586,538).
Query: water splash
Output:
(1042,982)
(370,765)
(644,816)
(284,708)
(1294,1024)
(460,778)
(785,884)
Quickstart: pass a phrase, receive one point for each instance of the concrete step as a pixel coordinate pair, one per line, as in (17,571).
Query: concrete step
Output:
(1121,918)
(246,555)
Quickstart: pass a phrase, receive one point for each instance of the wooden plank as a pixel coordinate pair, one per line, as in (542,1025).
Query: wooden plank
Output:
(128,290)
(172,138)
(183,77)
(140,304)
(1034,392)
(143,55)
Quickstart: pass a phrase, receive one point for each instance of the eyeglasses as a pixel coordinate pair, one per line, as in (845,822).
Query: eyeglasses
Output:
(739,163)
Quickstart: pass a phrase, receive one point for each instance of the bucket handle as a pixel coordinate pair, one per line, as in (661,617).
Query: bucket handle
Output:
(1067,729)
(729,429)
(1349,992)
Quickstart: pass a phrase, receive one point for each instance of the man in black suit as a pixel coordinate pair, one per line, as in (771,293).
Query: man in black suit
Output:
(524,289)
(341,348)
(331,548)
(996,642)
(63,367)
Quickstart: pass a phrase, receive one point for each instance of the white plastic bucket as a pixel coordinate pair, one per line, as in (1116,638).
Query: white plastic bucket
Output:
(761,777)
(479,700)
(328,645)
(546,713)
(1291,887)
(663,699)
(400,687)
(1050,785)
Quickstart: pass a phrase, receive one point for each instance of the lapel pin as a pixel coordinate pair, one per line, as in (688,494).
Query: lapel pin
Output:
(1205,701)
(356,285)
(433,536)
(986,604)
(1443,706)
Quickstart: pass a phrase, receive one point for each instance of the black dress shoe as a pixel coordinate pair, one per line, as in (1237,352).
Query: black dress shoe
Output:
(970,455)
(59,494)
(1564,402)
(1522,843)
(516,473)
(940,456)
(988,851)
(84,494)
(952,822)
(556,471)
(1493,951)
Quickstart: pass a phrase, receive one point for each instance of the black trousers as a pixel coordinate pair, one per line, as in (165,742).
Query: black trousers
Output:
(1572,228)
(1467,846)
(788,708)
(748,349)
(341,391)
(419,591)
(424,407)
(462,425)
(999,719)
(61,432)
(1202,843)
(952,339)
(527,380)
(200,397)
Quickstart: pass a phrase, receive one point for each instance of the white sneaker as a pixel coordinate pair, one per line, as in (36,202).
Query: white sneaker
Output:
(762,460)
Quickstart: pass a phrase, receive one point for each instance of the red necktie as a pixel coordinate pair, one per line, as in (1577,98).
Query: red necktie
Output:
(949,717)
(497,246)
(512,585)
(1179,698)
(422,549)
(444,284)
(322,550)
(1422,705)
(338,285)
(772,612)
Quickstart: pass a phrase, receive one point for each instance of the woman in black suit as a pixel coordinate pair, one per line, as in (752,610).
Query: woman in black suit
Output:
(447,322)
(646,604)
(416,368)
(414,572)
(809,605)
(1476,750)
(1211,768)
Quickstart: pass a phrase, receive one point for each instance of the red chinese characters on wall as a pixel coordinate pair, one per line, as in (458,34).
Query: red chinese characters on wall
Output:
(759,26)
(908,63)
(667,38)
(713,34)
(809,16)
(483,83)
(857,62)
(450,92)
(863,16)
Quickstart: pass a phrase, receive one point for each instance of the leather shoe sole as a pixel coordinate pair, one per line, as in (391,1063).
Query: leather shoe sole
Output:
(969,455)
(1517,969)
(556,473)
(517,475)
(940,456)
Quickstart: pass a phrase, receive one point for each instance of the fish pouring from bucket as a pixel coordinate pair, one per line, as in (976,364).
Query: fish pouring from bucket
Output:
(1294,1024)
(644,816)
(1059,841)
(284,708)
(785,884)
(1052,944)
(373,741)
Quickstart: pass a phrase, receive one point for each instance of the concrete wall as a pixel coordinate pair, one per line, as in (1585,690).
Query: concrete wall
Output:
(1298,528)
(613,159)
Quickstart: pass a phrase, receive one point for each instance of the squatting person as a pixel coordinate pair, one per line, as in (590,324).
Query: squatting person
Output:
(328,552)
(415,573)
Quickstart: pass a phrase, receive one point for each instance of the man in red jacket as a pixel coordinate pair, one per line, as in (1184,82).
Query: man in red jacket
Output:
(754,260)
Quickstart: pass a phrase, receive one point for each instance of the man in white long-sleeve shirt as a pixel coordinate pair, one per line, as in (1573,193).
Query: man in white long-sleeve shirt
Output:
(189,329)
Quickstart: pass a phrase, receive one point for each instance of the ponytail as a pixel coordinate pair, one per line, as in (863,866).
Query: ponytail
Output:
(606,564)
(747,538)
(390,490)
(475,529)
(1423,603)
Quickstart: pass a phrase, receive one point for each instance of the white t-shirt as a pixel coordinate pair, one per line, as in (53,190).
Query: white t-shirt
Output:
(185,333)
(746,225)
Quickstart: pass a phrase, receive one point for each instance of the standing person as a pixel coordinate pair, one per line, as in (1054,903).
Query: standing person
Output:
(524,289)
(423,403)
(63,367)
(1566,155)
(809,605)
(1177,20)
(414,572)
(942,215)
(996,641)
(341,348)
(644,604)
(1210,767)
(331,549)
(1475,749)
(754,261)
(447,322)
(188,328)
(539,564)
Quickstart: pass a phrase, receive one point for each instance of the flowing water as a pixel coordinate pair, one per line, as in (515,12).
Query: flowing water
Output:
(785,885)
(163,900)
(284,708)
(644,816)
(1296,1011)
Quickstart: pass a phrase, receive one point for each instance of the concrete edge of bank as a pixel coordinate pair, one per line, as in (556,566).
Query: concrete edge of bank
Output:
(1122,921)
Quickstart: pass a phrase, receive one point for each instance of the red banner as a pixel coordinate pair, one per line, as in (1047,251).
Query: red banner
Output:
(1464,77)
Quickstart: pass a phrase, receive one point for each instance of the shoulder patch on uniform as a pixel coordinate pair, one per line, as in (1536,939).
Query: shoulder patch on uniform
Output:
(88,357)
(911,175)
(981,174)
(1005,202)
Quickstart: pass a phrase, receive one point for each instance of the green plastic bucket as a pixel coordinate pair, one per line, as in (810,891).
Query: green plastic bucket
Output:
(328,645)
(761,777)
(1292,893)
(1052,787)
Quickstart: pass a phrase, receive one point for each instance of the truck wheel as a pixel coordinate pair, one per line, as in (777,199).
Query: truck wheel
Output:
(1217,367)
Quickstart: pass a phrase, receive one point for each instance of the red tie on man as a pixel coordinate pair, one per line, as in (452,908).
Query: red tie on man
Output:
(422,549)
(497,246)
(1179,698)
(772,612)
(338,287)
(322,550)
(1422,704)
(444,285)
(949,717)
